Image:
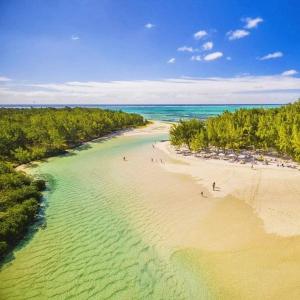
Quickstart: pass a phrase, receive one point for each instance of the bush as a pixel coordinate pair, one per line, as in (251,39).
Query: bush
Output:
(39,184)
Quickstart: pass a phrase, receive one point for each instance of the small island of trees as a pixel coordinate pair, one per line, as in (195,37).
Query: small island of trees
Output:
(275,129)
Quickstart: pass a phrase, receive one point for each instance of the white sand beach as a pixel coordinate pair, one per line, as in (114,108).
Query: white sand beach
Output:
(245,236)
(263,188)
(242,240)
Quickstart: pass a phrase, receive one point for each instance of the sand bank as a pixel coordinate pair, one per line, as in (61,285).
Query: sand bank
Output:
(274,193)
(241,240)
(155,127)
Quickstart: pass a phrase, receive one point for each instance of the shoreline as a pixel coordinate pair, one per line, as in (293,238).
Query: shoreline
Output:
(238,241)
(246,186)
(24,167)
(263,187)
(255,159)
(235,239)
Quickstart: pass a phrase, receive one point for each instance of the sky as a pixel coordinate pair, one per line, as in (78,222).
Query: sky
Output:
(139,52)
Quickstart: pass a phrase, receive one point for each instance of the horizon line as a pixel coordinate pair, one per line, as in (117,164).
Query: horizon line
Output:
(140,104)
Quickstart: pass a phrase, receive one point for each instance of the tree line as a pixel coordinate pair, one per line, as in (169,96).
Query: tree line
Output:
(274,129)
(29,134)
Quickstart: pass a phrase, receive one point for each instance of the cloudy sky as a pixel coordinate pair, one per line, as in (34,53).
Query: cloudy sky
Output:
(136,52)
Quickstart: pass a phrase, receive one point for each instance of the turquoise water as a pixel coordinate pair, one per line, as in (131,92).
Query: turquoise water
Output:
(103,237)
(110,224)
(174,112)
(177,112)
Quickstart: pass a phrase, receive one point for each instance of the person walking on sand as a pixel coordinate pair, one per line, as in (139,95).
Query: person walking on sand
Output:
(124,158)
(213,186)
(202,194)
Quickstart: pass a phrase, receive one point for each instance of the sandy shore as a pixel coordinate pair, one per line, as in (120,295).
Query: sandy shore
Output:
(242,240)
(274,193)
(155,127)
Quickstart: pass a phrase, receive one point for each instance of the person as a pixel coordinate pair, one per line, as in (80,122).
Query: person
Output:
(213,186)
(202,194)
(152,159)
(124,158)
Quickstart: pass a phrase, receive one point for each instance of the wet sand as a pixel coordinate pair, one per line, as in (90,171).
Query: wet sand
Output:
(243,239)
(249,242)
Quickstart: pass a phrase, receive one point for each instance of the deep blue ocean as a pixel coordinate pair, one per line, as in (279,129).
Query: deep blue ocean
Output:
(168,112)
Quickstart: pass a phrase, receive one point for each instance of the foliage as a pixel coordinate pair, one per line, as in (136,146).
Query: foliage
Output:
(29,134)
(266,129)
(19,200)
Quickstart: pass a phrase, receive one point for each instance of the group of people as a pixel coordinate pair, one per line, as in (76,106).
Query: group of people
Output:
(156,160)
(213,188)
(152,159)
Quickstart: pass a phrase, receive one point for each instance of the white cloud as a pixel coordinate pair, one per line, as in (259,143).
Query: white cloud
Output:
(213,56)
(228,58)
(196,58)
(208,46)
(271,55)
(75,38)
(171,60)
(149,25)
(186,49)
(252,23)
(246,89)
(4,79)
(237,34)
(200,34)
(289,73)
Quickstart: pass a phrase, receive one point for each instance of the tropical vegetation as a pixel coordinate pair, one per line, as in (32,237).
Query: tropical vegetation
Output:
(273,129)
(30,134)
(19,203)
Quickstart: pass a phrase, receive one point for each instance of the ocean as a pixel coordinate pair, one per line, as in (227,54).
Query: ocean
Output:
(170,113)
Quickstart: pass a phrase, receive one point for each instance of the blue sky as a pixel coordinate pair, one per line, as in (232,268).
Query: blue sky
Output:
(90,51)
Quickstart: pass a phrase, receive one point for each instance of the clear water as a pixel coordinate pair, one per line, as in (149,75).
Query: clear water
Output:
(172,112)
(100,241)
(177,112)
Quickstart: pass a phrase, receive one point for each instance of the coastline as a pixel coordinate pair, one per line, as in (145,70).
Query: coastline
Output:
(247,244)
(26,167)
(263,187)
(238,241)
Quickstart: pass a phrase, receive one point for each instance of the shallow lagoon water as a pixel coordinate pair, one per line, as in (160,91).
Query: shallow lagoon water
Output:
(95,244)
